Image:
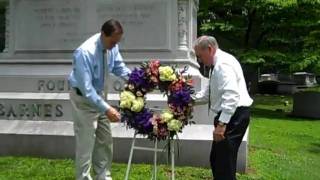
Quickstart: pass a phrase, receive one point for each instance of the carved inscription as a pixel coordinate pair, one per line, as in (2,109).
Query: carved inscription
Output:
(63,19)
(30,111)
(53,85)
(54,25)
(128,14)
(146,22)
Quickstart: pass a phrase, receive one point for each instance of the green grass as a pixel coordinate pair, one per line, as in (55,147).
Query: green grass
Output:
(18,168)
(22,168)
(281,147)
(313,89)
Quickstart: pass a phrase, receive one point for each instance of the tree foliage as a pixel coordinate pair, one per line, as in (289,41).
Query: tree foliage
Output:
(278,35)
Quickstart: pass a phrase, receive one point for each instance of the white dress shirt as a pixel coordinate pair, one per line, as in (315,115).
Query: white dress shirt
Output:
(227,87)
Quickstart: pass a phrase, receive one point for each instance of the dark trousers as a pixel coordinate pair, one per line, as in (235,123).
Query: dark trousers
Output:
(223,156)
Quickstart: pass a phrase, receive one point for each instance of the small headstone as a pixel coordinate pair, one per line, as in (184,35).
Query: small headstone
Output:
(306,104)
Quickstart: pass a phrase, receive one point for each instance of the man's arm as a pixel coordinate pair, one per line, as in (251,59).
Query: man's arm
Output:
(228,83)
(202,97)
(83,76)
(120,69)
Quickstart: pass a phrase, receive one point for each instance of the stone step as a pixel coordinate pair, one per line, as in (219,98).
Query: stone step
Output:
(57,106)
(48,83)
(54,139)
(35,106)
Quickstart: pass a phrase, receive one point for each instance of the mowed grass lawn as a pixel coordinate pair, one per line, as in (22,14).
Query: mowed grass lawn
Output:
(281,147)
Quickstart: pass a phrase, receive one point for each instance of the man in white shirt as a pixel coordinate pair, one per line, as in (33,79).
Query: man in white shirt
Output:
(228,102)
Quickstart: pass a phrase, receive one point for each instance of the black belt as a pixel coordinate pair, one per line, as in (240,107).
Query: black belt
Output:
(78,92)
(239,109)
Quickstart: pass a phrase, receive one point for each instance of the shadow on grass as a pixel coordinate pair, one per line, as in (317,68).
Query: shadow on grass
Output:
(315,148)
(275,114)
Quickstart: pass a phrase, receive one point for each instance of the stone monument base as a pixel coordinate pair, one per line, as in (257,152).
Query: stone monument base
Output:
(56,140)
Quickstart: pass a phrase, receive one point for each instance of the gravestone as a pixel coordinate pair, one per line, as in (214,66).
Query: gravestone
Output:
(268,84)
(305,79)
(35,112)
(306,104)
(268,77)
(297,82)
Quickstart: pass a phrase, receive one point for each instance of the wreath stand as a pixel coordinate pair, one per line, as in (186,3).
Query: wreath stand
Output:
(155,150)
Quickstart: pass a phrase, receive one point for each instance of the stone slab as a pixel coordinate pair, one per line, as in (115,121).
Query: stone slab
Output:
(35,106)
(69,22)
(39,138)
(306,104)
(47,83)
(20,83)
(57,106)
(47,79)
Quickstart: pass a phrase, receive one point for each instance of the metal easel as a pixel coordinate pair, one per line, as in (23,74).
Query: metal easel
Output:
(155,150)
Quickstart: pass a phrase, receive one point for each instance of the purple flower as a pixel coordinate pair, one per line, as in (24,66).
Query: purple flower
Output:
(138,78)
(180,98)
(142,121)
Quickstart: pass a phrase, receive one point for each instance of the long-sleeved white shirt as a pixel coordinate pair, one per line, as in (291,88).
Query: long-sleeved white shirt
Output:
(227,87)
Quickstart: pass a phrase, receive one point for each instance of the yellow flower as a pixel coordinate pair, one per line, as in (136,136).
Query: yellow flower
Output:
(137,105)
(166,116)
(125,104)
(126,98)
(167,73)
(127,95)
(174,125)
(172,77)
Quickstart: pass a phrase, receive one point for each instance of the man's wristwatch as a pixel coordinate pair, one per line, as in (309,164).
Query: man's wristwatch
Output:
(221,124)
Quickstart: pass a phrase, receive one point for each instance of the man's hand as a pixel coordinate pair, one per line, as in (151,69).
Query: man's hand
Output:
(218,133)
(113,115)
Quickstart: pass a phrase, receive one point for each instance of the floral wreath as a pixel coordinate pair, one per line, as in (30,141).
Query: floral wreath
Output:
(173,84)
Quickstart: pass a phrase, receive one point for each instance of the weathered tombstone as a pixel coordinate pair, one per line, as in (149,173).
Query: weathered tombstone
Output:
(268,77)
(41,35)
(304,79)
(268,84)
(295,83)
(306,104)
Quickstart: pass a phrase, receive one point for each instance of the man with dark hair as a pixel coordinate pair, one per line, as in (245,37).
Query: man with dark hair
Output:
(92,62)
(228,103)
